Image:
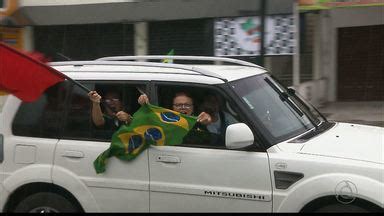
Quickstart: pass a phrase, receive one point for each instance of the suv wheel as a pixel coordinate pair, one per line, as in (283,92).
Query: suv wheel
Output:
(341,208)
(45,202)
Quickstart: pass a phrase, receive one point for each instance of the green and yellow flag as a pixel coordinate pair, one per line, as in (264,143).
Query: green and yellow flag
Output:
(151,125)
(170,53)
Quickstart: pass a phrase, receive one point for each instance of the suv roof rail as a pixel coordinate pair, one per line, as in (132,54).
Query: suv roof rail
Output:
(146,64)
(192,58)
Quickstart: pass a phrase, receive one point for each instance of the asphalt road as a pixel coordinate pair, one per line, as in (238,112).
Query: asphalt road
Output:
(369,113)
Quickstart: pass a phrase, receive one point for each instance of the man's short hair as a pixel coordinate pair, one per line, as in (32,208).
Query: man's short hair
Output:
(182,93)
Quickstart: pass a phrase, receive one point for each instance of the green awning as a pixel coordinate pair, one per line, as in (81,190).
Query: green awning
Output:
(305,5)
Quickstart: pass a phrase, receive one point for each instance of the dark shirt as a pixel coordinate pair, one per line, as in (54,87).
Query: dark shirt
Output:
(199,135)
(111,125)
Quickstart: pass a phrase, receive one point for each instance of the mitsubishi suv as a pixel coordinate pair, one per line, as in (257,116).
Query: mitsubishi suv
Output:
(279,154)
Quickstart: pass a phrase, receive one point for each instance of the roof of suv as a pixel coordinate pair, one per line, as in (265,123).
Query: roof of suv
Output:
(126,67)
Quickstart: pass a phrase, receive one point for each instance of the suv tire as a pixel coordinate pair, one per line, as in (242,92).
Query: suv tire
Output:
(45,202)
(341,208)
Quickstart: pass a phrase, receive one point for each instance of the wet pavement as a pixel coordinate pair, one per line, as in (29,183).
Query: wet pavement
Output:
(369,113)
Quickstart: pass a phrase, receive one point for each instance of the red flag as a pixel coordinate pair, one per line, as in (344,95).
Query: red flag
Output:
(24,76)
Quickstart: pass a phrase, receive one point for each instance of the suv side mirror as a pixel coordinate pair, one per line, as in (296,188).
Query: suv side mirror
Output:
(238,136)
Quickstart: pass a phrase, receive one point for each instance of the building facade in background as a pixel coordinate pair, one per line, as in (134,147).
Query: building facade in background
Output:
(344,39)
(9,33)
(339,55)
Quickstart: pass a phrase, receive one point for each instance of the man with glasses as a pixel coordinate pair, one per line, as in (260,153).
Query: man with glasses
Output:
(183,103)
(114,115)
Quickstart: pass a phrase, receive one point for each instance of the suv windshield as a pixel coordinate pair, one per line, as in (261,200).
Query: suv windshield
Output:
(280,114)
(314,115)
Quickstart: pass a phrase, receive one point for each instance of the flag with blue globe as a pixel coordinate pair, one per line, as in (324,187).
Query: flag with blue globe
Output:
(151,125)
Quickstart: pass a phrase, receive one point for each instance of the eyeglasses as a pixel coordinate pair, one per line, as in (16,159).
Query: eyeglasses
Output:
(183,106)
(112,100)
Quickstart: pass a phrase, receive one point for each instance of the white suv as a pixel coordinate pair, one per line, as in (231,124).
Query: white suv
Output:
(278,154)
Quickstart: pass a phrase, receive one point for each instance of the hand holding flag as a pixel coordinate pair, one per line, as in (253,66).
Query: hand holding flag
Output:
(151,125)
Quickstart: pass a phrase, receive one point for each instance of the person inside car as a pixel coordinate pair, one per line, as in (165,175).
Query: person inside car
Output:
(220,118)
(183,103)
(114,115)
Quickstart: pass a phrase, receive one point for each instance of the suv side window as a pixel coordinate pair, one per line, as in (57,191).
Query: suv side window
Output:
(43,117)
(79,124)
(204,100)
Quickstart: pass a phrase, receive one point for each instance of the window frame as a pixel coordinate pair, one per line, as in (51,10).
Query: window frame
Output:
(225,91)
(123,83)
(62,106)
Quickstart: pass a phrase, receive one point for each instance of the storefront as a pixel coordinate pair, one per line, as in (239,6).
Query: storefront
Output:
(9,33)
(319,66)
(347,50)
(95,28)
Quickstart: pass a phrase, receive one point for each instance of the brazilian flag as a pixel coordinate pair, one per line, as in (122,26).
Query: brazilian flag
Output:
(170,53)
(151,125)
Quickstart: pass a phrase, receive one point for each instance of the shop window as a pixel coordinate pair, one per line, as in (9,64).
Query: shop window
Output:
(185,37)
(84,42)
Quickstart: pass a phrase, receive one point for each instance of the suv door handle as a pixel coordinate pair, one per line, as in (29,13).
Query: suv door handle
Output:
(73,154)
(168,159)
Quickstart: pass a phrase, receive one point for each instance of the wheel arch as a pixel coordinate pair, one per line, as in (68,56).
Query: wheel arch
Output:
(57,176)
(329,200)
(318,189)
(31,188)
(73,183)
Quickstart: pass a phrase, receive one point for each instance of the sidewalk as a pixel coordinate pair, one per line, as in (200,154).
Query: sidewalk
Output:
(370,113)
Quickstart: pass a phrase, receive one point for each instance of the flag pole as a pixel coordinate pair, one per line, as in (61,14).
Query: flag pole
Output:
(87,90)
(77,83)
(141,91)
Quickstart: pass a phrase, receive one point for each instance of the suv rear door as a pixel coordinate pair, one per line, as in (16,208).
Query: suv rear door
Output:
(123,187)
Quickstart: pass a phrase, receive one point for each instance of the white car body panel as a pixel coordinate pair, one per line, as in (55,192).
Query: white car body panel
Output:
(297,197)
(228,72)
(71,182)
(28,159)
(4,193)
(189,185)
(333,166)
(146,77)
(25,175)
(231,72)
(351,141)
(124,187)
